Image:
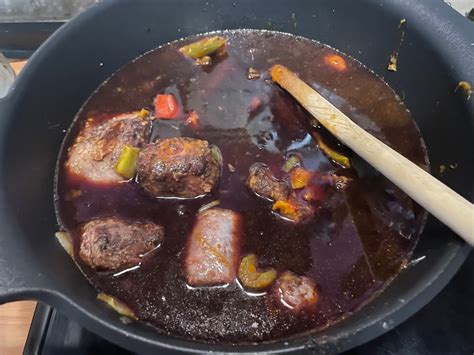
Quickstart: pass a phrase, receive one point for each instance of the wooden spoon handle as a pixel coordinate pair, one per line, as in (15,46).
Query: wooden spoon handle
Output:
(442,202)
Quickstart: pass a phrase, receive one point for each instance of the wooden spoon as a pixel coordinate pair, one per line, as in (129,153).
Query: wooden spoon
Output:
(442,202)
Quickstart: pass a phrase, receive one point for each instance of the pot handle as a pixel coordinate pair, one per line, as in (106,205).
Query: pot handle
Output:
(20,279)
(20,276)
(11,281)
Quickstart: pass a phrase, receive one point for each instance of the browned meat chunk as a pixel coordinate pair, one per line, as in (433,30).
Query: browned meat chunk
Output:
(213,249)
(178,167)
(295,292)
(112,243)
(263,183)
(98,146)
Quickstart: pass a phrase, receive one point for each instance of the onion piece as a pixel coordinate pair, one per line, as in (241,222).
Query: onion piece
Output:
(116,305)
(293,161)
(143,113)
(204,47)
(251,277)
(66,242)
(209,205)
(216,154)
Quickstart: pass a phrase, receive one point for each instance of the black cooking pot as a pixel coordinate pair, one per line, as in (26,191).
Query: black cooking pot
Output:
(437,53)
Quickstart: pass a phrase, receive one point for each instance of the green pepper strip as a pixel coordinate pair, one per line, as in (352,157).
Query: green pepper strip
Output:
(203,47)
(332,154)
(127,162)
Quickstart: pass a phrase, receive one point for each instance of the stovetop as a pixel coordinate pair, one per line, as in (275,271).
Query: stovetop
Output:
(444,326)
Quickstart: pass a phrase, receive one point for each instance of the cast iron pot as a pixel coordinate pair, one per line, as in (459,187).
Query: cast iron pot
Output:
(437,53)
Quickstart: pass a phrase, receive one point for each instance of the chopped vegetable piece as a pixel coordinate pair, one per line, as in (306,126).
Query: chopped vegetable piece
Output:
(332,154)
(193,120)
(466,87)
(300,178)
(116,305)
(203,47)
(285,208)
(206,60)
(253,74)
(442,168)
(209,205)
(255,104)
(166,106)
(231,168)
(292,162)
(250,277)
(143,113)
(216,154)
(127,162)
(66,242)
(336,62)
(73,194)
(392,65)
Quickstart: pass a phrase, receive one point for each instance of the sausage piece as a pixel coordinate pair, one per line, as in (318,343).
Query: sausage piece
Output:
(112,243)
(295,292)
(213,250)
(262,182)
(178,167)
(98,146)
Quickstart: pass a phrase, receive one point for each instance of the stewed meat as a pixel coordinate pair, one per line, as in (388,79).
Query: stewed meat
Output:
(295,292)
(286,204)
(178,167)
(263,183)
(213,249)
(98,146)
(112,243)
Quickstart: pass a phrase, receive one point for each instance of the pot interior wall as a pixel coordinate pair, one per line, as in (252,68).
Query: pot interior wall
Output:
(76,60)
